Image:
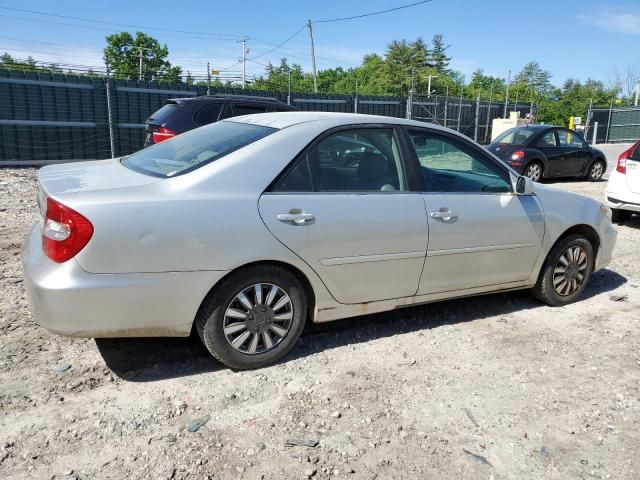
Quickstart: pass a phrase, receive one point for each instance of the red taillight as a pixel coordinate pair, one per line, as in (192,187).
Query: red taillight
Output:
(517,155)
(622,160)
(65,232)
(163,134)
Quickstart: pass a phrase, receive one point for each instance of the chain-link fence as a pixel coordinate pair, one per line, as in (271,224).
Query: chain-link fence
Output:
(48,117)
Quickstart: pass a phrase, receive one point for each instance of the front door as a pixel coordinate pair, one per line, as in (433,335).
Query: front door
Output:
(344,207)
(548,145)
(574,155)
(480,232)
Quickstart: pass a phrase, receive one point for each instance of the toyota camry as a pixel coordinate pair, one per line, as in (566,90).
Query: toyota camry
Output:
(246,229)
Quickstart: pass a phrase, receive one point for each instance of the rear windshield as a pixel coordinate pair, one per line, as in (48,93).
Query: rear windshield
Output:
(164,113)
(194,149)
(514,136)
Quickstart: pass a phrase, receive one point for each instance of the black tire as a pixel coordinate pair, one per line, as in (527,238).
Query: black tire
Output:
(211,316)
(620,216)
(596,170)
(534,170)
(544,289)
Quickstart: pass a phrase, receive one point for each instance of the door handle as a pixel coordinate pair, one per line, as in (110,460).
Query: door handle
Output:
(444,215)
(296,218)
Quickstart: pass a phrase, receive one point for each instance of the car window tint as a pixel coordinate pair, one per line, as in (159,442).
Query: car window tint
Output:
(161,116)
(362,160)
(248,109)
(191,150)
(636,153)
(514,136)
(208,114)
(569,139)
(547,140)
(450,166)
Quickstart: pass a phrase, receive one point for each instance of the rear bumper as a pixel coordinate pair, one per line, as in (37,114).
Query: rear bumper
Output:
(67,300)
(620,204)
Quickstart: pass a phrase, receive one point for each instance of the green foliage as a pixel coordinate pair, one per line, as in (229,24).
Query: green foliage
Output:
(122,57)
(439,58)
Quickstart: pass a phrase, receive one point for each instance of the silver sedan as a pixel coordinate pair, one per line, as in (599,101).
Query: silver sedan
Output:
(248,228)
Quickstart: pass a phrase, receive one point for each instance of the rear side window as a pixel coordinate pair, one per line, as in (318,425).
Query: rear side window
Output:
(515,136)
(636,153)
(247,109)
(208,114)
(162,115)
(195,148)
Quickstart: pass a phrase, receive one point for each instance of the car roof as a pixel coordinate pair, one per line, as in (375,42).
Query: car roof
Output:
(537,126)
(227,98)
(282,120)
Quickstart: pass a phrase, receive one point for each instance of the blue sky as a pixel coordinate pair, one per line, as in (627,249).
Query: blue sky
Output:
(570,39)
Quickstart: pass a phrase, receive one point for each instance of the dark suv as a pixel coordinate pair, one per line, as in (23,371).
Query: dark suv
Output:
(180,115)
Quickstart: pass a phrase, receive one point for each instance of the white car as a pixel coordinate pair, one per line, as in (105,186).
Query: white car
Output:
(623,189)
(247,228)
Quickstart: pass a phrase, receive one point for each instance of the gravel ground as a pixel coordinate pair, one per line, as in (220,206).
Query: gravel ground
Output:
(497,386)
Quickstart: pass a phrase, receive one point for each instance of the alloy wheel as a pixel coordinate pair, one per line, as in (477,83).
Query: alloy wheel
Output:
(534,172)
(569,272)
(258,318)
(596,171)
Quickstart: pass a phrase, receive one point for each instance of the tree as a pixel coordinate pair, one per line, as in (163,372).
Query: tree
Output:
(626,82)
(438,57)
(122,57)
(534,75)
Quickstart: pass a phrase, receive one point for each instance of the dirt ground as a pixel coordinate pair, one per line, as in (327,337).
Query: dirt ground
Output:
(490,387)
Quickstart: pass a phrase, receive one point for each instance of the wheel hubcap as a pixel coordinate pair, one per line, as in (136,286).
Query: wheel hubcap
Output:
(596,170)
(258,318)
(533,172)
(569,272)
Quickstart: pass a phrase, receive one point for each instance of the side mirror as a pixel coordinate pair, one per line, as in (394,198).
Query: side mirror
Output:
(524,186)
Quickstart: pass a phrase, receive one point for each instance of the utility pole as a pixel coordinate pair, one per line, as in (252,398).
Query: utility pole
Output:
(506,97)
(208,79)
(140,62)
(244,60)
(313,57)
(429,86)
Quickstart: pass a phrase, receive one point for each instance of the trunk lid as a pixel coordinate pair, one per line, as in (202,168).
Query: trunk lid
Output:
(633,174)
(89,176)
(503,150)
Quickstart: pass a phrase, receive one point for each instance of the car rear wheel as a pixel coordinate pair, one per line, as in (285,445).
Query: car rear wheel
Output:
(254,317)
(596,171)
(566,271)
(534,171)
(620,216)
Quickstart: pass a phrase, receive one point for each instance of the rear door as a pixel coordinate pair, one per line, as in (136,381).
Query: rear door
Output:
(346,208)
(480,232)
(573,153)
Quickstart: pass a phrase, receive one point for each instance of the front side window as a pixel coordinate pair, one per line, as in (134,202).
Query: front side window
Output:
(450,166)
(569,139)
(195,148)
(359,160)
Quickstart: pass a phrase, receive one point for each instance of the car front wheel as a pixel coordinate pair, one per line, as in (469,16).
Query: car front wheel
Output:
(566,271)
(254,317)
(534,171)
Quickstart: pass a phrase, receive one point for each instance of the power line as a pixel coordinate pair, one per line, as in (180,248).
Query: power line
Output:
(281,43)
(129,25)
(372,13)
